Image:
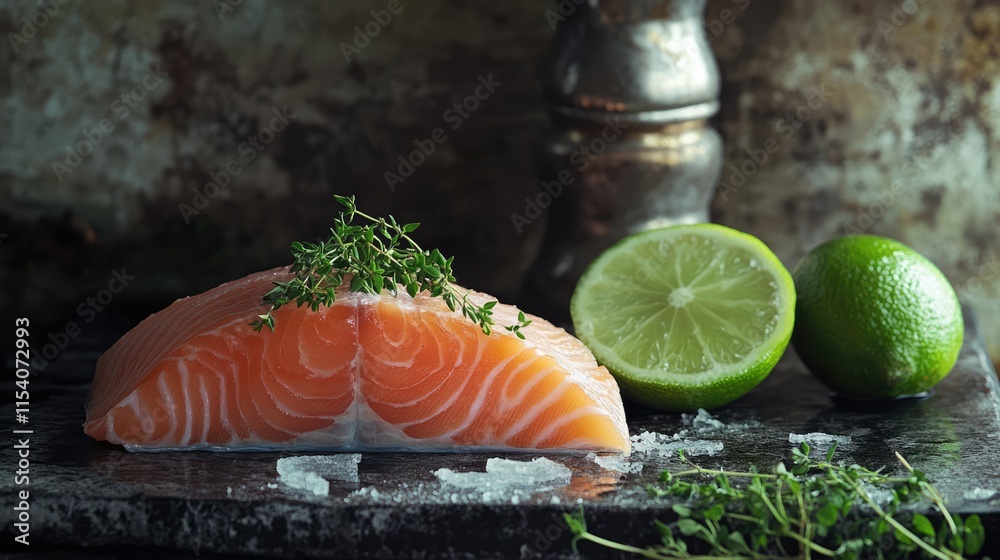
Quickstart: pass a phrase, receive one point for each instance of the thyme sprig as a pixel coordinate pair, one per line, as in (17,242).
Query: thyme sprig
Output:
(818,509)
(379,255)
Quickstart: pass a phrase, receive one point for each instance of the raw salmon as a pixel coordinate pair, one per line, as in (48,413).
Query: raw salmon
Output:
(374,372)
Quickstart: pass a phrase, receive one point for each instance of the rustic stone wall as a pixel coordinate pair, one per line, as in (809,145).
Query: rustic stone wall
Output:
(118,113)
(899,141)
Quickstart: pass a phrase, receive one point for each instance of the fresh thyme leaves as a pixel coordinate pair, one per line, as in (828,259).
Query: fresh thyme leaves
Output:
(818,509)
(379,255)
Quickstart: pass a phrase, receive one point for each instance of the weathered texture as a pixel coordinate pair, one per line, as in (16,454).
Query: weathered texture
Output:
(350,123)
(902,145)
(913,96)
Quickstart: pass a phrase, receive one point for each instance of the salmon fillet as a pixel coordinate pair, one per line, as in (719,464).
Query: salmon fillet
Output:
(372,372)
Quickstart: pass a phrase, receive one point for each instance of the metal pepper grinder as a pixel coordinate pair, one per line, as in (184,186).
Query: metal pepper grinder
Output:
(630,86)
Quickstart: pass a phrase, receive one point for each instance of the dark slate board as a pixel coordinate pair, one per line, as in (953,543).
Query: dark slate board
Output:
(95,500)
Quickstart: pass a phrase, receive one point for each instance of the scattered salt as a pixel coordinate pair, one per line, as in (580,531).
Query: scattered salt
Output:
(979,494)
(695,447)
(648,441)
(313,473)
(506,472)
(818,439)
(881,496)
(618,462)
(308,481)
(702,421)
(272,485)
(509,479)
(652,443)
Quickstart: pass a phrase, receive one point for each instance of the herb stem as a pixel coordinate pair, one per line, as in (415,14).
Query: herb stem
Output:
(804,528)
(767,502)
(371,258)
(654,555)
(933,494)
(644,552)
(815,508)
(699,470)
(810,545)
(890,519)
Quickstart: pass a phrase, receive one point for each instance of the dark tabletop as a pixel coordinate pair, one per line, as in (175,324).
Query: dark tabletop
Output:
(95,500)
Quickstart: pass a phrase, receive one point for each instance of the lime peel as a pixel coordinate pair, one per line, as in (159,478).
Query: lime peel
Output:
(875,319)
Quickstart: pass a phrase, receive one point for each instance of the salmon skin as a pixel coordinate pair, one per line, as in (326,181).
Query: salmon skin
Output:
(371,372)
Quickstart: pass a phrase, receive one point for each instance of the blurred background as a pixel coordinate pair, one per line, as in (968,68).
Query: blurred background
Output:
(117,114)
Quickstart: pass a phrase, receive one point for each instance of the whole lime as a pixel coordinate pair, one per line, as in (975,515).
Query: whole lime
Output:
(874,318)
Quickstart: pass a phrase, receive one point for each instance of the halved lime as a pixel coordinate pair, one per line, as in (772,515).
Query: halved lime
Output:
(686,317)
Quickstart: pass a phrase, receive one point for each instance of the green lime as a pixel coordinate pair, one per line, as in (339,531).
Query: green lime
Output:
(686,317)
(875,319)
